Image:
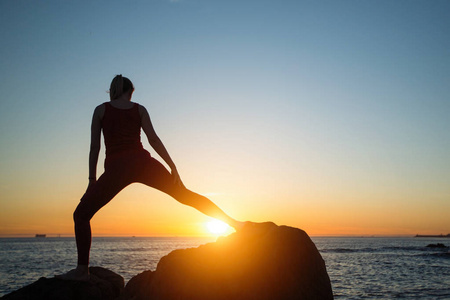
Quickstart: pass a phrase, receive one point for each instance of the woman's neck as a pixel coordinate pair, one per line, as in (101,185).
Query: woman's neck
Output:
(123,101)
(126,97)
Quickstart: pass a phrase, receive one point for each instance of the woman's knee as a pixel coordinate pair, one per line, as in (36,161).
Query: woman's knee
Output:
(182,195)
(81,214)
(188,197)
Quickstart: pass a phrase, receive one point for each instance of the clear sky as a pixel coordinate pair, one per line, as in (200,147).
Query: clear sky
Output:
(330,116)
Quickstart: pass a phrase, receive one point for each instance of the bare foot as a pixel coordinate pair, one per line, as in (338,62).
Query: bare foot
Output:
(237,225)
(241,225)
(75,274)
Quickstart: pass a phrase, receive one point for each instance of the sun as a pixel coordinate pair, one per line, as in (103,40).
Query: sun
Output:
(217,227)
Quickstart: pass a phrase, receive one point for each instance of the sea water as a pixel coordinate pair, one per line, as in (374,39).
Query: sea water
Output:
(359,268)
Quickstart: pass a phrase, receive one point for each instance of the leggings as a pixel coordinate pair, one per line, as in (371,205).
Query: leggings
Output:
(120,171)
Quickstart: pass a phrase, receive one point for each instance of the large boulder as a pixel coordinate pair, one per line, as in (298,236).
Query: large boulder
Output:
(262,261)
(103,285)
(138,287)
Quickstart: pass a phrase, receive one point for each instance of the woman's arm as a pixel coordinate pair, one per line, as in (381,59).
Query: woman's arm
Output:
(96,128)
(156,143)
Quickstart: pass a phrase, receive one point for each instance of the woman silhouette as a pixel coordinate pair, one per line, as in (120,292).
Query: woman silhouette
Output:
(127,162)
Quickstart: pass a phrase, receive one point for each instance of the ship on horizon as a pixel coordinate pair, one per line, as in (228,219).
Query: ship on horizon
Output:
(40,235)
(434,236)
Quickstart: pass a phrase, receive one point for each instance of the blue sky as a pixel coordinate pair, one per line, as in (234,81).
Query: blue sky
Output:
(274,105)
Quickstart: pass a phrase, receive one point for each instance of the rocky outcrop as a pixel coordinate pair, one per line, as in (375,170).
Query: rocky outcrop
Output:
(438,245)
(103,285)
(138,287)
(263,261)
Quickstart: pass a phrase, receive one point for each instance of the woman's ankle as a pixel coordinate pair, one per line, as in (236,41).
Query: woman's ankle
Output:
(83,268)
(237,225)
(80,273)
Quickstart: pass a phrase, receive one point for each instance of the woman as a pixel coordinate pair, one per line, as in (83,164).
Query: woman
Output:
(126,162)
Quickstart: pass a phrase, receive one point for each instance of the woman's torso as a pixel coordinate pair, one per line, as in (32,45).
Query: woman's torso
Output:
(121,124)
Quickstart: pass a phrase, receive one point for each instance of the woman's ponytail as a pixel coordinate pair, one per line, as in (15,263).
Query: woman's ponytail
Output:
(116,88)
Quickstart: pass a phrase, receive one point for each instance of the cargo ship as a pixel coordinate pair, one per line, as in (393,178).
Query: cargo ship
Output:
(434,236)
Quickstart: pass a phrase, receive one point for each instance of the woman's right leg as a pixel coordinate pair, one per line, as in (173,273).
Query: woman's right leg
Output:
(203,205)
(157,176)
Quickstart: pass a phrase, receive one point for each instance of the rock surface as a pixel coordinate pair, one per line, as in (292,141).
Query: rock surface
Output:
(263,261)
(438,245)
(103,285)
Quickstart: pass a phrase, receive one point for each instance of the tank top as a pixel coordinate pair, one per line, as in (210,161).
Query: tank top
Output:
(121,129)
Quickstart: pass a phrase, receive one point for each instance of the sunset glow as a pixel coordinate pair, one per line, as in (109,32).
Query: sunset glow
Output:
(217,227)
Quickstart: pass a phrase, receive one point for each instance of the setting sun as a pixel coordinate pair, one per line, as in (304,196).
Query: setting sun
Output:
(217,227)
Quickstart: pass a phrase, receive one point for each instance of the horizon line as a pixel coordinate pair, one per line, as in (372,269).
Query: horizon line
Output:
(26,235)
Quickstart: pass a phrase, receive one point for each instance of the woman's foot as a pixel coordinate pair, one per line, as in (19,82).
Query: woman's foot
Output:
(237,225)
(250,225)
(81,273)
(241,225)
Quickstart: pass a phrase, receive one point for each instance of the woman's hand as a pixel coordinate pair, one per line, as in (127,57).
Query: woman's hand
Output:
(92,182)
(177,178)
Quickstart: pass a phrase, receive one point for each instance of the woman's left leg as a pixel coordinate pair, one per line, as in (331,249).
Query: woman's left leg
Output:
(104,190)
(117,176)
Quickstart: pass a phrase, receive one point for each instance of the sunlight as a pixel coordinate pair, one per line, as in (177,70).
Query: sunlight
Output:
(217,227)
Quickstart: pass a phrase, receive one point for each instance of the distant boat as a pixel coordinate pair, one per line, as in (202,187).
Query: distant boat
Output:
(41,235)
(434,236)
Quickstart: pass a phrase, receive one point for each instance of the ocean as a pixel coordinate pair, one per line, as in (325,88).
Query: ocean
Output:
(359,268)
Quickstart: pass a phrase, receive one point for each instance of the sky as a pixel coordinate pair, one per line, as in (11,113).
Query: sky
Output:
(329,116)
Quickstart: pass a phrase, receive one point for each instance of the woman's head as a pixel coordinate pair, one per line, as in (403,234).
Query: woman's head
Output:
(120,85)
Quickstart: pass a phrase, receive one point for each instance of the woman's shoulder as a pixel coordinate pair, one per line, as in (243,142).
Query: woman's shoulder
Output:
(101,107)
(137,104)
(141,108)
(99,111)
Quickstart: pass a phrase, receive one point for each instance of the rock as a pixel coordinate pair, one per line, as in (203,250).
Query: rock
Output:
(104,284)
(137,288)
(438,245)
(262,261)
